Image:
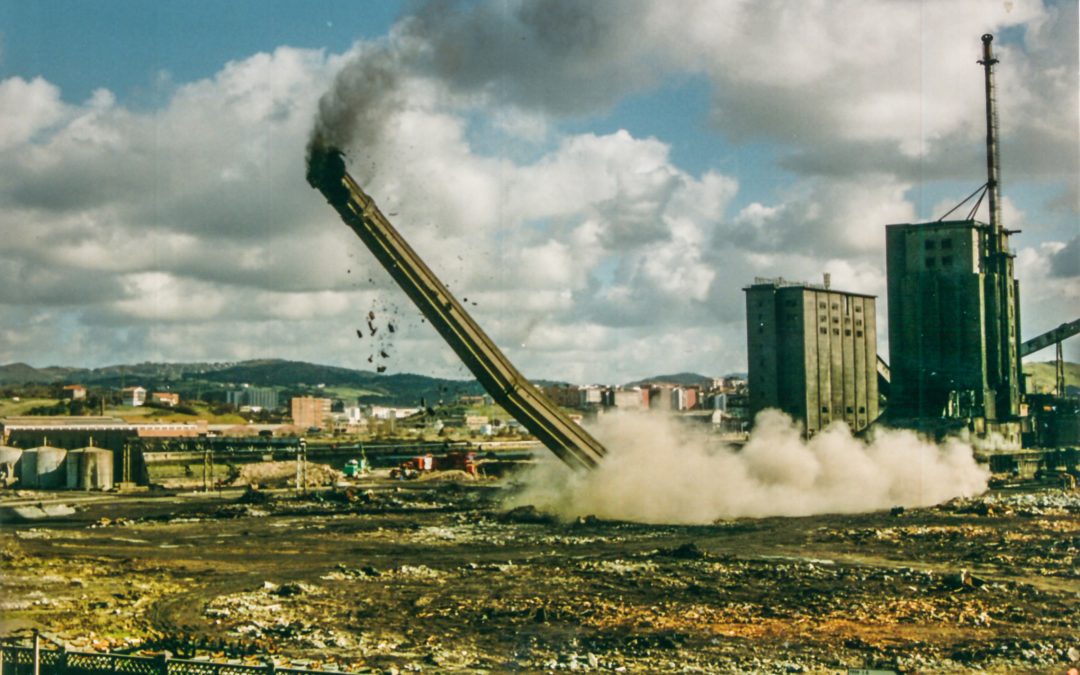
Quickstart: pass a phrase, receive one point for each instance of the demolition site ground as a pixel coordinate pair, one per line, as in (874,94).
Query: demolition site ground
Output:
(437,576)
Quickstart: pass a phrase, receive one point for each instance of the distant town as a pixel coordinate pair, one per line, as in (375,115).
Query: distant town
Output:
(347,408)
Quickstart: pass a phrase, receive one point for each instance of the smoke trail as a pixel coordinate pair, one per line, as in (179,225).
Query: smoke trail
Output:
(659,471)
(364,96)
(492,51)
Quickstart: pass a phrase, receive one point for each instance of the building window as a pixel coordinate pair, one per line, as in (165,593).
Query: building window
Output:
(822,318)
(946,243)
(847,332)
(931,244)
(862,409)
(850,410)
(930,262)
(821,305)
(825,409)
(858,309)
(836,319)
(835,331)
(824,331)
(946,261)
(836,305)
(858,333)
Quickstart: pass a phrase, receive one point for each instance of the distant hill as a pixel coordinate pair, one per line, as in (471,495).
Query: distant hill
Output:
(1040,376)
(680,379)
(201,380)
(209,380)
(21,373)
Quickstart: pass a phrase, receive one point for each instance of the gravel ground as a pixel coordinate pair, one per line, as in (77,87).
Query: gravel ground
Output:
(436,576)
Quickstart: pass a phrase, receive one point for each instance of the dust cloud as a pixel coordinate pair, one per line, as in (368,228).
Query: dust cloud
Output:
(659,471)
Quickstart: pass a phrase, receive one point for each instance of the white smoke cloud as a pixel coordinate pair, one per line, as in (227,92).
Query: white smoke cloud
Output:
(659,471)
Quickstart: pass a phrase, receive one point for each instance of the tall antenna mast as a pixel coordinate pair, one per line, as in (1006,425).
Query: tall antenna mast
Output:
(993,168)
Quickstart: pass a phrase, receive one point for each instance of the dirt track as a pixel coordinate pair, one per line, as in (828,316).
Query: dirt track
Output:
(435,576)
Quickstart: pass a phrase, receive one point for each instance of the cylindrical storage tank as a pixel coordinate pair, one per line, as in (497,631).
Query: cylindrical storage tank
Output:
(73,469)
(96,469)
(50,467)
(9,461)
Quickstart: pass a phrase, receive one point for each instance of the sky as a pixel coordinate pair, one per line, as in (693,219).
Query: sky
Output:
(599,179)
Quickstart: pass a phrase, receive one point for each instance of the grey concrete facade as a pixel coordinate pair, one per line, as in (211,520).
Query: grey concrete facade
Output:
(812,352)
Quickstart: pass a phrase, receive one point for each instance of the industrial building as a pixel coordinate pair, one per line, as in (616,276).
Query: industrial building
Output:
(954,326)
(954,312)
(812,352)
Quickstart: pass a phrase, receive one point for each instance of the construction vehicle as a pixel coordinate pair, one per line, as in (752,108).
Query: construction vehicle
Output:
(508,387)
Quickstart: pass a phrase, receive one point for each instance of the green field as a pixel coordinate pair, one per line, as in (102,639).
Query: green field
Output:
(12,408)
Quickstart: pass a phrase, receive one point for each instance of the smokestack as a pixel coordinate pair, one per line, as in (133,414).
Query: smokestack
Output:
(993,169)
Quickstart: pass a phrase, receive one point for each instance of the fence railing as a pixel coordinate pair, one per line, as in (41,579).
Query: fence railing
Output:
(18,660)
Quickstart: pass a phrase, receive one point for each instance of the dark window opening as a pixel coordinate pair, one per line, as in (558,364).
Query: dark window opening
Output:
(862,409)
(858,333)
(824,331)
(847,332)
(930,262)
(946,260)
(835,331)
(946,243)
(931,244)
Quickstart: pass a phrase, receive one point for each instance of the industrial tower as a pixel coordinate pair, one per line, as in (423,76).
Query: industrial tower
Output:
(812,352)
(954,311)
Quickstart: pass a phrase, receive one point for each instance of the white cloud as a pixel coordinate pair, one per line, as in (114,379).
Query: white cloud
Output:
(188,231)
(27,108)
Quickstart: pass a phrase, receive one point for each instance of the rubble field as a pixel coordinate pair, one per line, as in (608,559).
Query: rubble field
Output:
(436,576)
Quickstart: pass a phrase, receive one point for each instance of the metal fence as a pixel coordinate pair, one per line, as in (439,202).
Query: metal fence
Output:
(16,660)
